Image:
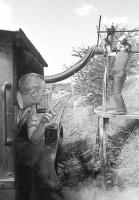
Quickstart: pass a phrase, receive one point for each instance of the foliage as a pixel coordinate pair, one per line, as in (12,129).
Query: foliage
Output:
(89,79)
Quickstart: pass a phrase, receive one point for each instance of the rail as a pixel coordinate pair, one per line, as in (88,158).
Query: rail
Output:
(62,102)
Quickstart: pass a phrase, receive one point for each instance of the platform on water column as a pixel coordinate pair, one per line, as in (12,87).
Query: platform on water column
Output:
(111,112)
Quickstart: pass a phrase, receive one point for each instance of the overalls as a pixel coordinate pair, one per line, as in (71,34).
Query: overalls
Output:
(119,69)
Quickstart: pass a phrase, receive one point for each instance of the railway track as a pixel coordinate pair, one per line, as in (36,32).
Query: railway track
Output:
(60,106)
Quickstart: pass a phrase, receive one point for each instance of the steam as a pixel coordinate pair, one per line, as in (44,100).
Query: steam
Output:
(91,193)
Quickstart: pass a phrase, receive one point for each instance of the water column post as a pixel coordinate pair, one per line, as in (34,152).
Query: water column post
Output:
(104,87)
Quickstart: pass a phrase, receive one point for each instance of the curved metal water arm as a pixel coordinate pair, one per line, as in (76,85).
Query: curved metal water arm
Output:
(76,67)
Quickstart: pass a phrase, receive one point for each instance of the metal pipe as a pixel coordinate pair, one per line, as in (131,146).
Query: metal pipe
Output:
(76,67)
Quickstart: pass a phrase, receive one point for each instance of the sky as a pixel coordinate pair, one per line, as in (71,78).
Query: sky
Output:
(57,26)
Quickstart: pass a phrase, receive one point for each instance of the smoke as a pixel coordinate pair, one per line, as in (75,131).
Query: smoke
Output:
(91,193)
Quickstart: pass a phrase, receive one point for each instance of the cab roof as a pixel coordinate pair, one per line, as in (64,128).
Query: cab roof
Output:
(19,39)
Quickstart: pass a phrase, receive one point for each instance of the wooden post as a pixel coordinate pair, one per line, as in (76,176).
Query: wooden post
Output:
(104,102)
(104,87)
(103,124)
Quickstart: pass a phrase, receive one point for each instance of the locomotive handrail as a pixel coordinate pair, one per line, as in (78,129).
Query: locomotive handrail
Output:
(7,141)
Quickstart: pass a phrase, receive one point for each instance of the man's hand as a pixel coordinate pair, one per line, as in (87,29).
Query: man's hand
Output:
(46,118)
(52,112)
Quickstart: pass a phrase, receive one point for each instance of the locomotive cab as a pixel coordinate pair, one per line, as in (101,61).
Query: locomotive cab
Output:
(18,57)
